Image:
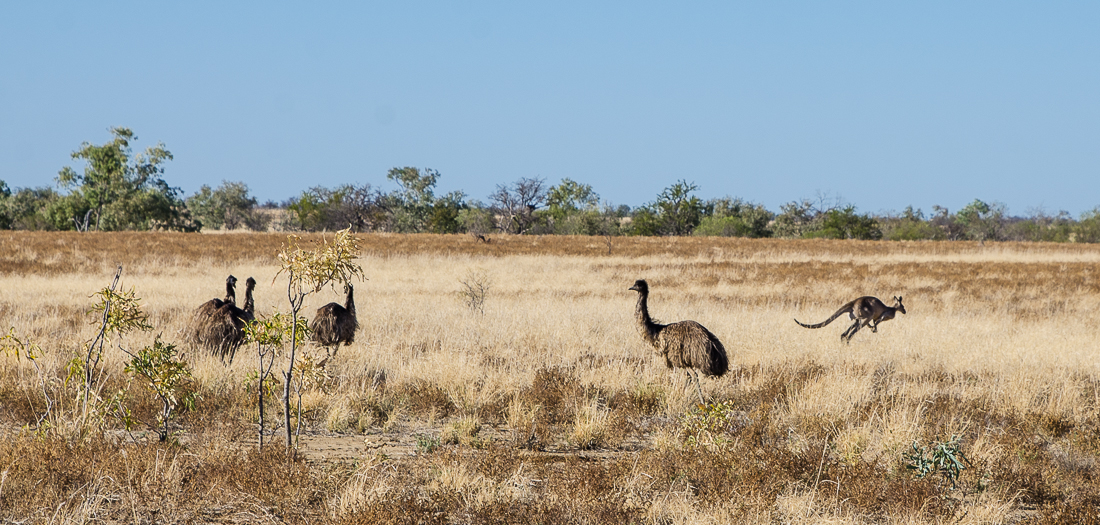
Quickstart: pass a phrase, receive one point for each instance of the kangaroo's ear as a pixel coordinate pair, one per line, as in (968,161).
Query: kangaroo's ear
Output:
(898,298)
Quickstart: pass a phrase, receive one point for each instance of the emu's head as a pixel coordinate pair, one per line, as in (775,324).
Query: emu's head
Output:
(898,305)
(640,286)
(231,281)
(250,283)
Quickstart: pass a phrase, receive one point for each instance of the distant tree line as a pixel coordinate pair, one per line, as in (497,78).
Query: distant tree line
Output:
(120,190)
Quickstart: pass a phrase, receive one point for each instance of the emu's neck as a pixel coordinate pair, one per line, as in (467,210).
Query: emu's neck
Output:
(649,329)
(230,294)
(249,306)
(349,304)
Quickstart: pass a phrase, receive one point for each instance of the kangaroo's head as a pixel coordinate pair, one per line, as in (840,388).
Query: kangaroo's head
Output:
(897,304)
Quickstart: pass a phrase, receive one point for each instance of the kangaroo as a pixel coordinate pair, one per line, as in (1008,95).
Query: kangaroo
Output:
(867,311)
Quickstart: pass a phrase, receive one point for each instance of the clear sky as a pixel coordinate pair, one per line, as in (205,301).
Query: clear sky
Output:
(882,104)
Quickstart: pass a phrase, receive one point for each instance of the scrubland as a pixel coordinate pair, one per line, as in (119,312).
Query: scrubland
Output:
(546,406)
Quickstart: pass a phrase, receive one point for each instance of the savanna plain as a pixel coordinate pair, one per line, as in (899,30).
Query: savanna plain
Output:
(544,404)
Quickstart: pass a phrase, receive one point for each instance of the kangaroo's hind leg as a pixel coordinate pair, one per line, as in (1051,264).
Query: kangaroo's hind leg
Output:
(847,335)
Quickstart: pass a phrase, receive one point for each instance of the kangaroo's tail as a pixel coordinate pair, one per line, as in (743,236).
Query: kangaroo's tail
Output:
(843,310)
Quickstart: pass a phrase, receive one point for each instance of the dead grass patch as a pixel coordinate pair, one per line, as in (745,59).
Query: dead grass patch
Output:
(550,408)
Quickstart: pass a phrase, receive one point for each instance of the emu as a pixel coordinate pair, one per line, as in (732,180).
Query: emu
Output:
(686,344)
(334,324)
(218,325)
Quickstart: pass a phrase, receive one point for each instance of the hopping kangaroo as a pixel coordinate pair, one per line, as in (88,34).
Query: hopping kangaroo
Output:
(867,311)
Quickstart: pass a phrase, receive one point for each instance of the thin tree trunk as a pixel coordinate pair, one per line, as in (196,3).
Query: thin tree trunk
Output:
(295,305)
(89,364)
(287,377)
(260,391)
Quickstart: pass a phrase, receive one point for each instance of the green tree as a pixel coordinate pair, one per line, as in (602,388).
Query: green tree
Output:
(735,218)
(360,207)
(316,207)
(6,219)
(910,225)
(167,377)
(476,219)
(445,213)
(981,221)
(28,209)
(569,197)
(845,223)
(229,206)
(119,190)
(414,203)
(797,219)
(675,212)
(1087,229)
(947,223)
(680,211)
(1041,227)
(573,209)
(644,221)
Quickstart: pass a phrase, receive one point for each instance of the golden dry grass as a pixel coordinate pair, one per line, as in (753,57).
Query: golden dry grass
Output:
(999,346)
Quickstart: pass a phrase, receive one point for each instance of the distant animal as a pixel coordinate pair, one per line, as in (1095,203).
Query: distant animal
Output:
(218,324)
(867,311)
(686,344)
(334,324)
(206,310)
(481,238)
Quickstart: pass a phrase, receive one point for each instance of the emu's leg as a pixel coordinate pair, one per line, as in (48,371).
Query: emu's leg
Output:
(698,388)
(683,389)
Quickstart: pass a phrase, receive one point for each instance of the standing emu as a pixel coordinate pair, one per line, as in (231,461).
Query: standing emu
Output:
(686,344)
(335,324)
(218,325)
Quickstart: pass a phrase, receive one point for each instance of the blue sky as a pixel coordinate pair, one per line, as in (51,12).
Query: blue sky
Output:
(881,104)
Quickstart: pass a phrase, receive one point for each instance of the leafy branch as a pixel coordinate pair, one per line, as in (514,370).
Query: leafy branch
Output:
(168,378)
(116,313)
(308,270)
(269,334)
(945,458)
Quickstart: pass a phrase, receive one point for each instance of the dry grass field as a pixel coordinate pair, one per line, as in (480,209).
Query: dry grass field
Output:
(547,407)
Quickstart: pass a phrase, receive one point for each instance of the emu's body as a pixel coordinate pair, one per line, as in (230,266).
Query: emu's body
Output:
(230,295)
(334,324)
(208,310)
(686,344)
(866,310)
(218,325)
